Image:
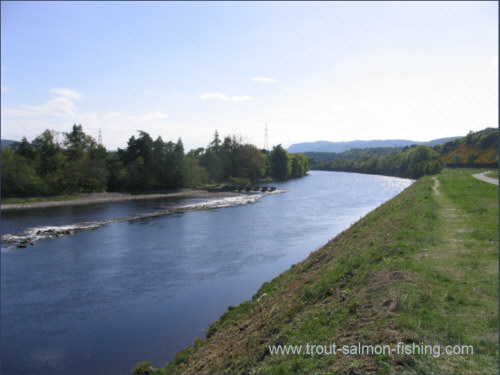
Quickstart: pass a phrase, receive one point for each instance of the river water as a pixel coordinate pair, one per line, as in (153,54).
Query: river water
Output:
(144,286)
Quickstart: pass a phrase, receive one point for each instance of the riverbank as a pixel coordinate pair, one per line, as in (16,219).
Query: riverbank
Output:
(99,198)
(421,269)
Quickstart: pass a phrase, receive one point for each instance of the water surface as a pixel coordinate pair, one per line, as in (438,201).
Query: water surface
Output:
(101,300)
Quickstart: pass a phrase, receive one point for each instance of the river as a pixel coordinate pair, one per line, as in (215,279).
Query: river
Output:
(100,300)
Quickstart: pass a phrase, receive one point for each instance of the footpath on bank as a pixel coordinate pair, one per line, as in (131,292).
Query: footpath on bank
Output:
(483,177)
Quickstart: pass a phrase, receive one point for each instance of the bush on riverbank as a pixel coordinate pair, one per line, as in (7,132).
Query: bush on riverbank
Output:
(143,368)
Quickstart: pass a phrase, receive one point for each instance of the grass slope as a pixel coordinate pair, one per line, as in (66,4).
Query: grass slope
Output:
(421,268)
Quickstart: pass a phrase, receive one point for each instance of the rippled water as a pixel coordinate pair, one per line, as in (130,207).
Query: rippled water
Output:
(30,235)
(147,279)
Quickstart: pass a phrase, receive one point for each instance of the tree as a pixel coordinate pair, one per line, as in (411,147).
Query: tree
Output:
(137,159)
(19,176)
(25,149)
(248,162)
(281,166)
(79,164)
(141,146)
(215,144)
(300,165)
(195,175)
(85,168)
(468,138)
(213,165)
(46,148)
(178,164)
(78,141)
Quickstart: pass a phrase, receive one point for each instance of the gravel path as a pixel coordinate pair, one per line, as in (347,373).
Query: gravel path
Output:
(436,185)
(482,177)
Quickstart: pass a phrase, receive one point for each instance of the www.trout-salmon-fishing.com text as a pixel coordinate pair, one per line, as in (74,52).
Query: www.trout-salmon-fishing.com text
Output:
(363,349)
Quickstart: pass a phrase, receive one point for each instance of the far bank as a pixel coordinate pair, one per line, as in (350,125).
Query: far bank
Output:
(98,198)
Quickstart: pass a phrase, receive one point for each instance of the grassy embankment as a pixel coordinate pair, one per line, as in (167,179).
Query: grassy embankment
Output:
(422,268)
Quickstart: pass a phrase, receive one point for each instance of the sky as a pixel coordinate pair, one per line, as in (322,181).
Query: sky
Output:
(334,71)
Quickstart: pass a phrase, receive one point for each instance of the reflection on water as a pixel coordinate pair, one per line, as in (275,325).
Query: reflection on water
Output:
(101,300)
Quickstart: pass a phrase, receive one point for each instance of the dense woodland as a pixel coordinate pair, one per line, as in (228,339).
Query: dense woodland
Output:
(476,149)
(412,163)
(354,153)
(46,166)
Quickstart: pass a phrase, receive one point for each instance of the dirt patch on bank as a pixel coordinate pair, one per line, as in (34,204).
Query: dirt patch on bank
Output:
(436,186)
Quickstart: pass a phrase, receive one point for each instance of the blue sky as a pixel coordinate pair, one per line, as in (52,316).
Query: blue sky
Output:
(311,70)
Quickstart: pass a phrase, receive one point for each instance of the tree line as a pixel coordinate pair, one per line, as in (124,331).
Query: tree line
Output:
(475,149)
(46,166)
(414,162)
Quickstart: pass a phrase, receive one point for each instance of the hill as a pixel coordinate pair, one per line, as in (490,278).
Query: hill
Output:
(421,269)
(326,146)
(477,148)
(7,143)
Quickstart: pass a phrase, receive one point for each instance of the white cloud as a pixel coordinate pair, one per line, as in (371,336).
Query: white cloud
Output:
(58,107)
(67,93)
(4,89)
(62,106)
(264,79)
(58,113)
(494,61)
(116,127)
(224,97)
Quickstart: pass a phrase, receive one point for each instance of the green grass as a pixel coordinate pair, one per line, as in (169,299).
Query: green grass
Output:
(460,275)
(421,268)
(493,174)
(38,199)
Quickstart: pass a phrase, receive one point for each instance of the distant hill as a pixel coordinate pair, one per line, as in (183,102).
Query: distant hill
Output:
(7,142)
(326,146)
(477,149)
